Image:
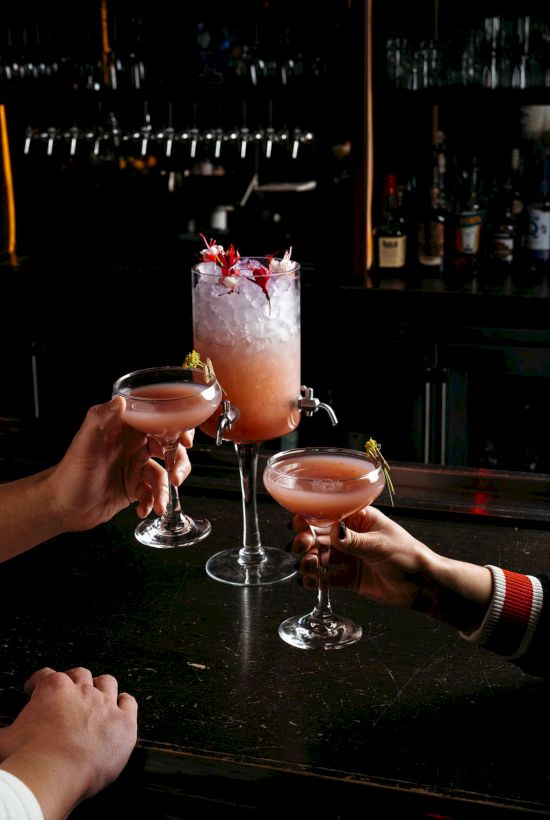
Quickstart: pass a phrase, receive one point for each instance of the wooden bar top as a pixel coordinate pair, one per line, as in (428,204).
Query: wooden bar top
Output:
(412,721)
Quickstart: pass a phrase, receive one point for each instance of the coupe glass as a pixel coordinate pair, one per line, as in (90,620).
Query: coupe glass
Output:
(324,485)
(250,327)
(165,402)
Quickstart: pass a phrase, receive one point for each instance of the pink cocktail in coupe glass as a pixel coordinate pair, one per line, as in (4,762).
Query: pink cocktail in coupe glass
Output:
(324,485)
(165,402)
(246,318)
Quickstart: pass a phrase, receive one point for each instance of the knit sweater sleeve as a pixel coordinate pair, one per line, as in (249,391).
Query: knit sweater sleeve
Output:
(17,802)
(517,621)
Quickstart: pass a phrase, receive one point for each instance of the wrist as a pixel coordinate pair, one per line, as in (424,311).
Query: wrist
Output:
(55,783)
(17,800)
(456,592)
(45,494)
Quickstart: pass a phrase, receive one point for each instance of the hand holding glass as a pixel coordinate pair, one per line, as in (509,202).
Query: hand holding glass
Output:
(324,485)
(165,402)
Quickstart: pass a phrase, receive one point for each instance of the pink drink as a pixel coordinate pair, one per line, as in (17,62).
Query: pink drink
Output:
(254,345)
(165,411)
(324,488)
(263,384)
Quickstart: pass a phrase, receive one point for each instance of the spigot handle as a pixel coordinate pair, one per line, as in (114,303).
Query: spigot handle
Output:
(226,418)
(310,404)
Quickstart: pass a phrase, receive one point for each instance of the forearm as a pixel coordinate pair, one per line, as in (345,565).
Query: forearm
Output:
(54,784)
(501,610)
(456,592)
(27,514)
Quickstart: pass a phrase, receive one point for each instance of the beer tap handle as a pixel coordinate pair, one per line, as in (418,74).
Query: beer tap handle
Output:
(73,136)
(244,142)
(50,141)
(28,140)
(169,141)
(218,143)
(194,134)
(269,137)
(145,134)
(296,143)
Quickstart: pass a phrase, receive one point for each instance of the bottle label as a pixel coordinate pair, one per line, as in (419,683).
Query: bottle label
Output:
(538,238)
(431,244)
(503,247)
(468,234)
(392,251)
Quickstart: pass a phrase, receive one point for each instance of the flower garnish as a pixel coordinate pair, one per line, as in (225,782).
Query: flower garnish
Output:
(281,265)
(216,253)
(372,449)
(260,275)
(193,360)
(230,274)
(225,259)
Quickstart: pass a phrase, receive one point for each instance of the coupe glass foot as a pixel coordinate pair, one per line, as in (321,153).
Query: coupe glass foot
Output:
(228,567)
(305,633)
(156,534)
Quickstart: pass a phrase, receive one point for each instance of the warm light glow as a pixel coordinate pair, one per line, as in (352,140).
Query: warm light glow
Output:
(106,49)
(369,146)
(8,177)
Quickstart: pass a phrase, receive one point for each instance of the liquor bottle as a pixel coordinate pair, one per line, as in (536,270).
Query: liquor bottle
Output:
(516,186)
(391,238)
(497,275)
(433,228)
(408,202)
(507,230)
(470,219)
(538,234)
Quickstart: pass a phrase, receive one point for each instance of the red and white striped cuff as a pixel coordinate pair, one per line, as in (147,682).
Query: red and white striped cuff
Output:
(513,614)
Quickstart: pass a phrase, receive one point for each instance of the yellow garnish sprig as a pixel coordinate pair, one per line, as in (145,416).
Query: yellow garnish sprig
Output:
(193,359)
(372,449)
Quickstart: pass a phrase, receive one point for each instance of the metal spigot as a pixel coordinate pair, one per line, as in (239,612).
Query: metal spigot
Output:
(194,136)
(74,135)
(245,136)
(309,404)
(145,135)
(226,418)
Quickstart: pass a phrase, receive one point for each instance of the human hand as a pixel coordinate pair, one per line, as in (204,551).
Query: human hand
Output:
(73,738)
(371,554)
(379,559)
(109,465)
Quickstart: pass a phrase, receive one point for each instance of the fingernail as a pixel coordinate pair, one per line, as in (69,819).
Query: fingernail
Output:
(288,547)
(342,531)
(113,404)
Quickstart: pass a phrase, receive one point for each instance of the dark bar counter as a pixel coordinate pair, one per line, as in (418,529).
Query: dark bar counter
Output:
(411,722)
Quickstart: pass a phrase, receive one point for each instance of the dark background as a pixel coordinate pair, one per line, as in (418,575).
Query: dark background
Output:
(105,242)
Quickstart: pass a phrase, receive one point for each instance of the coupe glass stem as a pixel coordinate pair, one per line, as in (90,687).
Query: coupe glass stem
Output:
(173,513)
(322,611)
(251,552)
